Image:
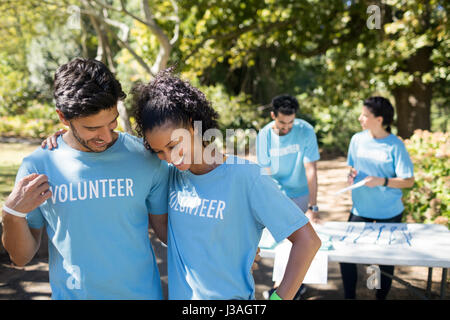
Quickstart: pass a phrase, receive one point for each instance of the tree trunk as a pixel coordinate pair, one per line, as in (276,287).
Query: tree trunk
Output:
(124,118)
(413,102)
(413,108)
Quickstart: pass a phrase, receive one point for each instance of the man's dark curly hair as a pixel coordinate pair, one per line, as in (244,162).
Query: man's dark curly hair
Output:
(285,104)
(84,87)
(168,99)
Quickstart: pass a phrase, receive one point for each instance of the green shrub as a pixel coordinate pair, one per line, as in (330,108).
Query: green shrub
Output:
(428,200)
(334,124)
(38,122)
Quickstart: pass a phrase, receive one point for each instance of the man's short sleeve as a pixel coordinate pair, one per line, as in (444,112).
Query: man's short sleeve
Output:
(158,197)
(274,210)
(311,149)
(262,149)
(35,219)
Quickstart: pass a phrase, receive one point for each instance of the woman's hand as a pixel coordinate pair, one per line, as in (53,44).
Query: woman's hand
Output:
(255,265)
(51,141)
(374,181)
(351,176)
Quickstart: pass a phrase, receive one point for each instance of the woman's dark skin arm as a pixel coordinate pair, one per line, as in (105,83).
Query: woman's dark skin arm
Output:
(305,244)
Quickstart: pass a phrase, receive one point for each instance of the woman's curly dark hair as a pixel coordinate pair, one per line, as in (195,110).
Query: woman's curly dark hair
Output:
(168,99)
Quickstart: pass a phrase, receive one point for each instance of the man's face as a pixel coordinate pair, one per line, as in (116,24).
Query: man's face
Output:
(93,133)
(283,122)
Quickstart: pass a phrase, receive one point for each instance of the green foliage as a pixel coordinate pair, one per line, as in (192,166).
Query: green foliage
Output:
(258,47)
(7,177)
(241,53)
(429,200)
(334,124)
(21,23)
(235,111)
(39,121)
(45,54)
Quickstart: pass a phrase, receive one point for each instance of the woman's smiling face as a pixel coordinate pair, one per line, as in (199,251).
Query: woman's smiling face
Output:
(173,144)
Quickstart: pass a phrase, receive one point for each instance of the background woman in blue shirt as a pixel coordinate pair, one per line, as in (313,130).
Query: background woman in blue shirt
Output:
(381,159)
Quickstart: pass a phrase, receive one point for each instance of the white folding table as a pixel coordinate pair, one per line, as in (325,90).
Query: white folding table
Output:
(398,244)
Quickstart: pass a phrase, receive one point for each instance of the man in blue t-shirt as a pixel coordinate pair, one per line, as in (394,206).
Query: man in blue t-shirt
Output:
(287,146)
(93,195)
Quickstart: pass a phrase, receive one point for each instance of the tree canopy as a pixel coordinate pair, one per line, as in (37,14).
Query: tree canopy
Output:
(330,54)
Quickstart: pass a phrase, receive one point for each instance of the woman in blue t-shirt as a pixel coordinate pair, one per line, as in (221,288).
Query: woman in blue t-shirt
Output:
(218,204)
(380,159)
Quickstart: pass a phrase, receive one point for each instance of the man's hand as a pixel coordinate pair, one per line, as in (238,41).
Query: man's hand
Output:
(314,217)
(19,240)
(29,193)
(51,141)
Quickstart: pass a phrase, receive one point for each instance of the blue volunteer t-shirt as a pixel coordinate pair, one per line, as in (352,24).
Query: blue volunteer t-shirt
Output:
(385,157)
(286,155)
(97,219)
(215,224)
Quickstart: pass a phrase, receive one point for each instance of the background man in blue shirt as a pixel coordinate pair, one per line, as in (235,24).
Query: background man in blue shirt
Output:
(287,146)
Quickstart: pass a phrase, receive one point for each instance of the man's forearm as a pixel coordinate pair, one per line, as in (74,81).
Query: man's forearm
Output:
(18,240)
(311,177)
(313,192)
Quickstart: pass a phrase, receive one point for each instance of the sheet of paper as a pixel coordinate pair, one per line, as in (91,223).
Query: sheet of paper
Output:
(317,272)
(353,186)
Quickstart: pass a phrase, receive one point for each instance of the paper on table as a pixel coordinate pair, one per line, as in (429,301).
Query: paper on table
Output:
(317,272)
(353,186)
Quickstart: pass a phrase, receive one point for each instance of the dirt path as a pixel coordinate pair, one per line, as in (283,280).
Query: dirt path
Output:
(31,282)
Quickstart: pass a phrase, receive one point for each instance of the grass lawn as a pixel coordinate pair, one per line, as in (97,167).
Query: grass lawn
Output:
(11,155)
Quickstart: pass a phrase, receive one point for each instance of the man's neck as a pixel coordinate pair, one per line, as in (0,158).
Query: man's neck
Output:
(70,139)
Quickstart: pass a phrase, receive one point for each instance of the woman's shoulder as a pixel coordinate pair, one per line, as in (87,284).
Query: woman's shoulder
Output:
(397,143)
(243,167)
(395,139)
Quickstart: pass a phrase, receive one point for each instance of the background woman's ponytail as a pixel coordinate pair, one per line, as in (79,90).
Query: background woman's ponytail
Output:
(388,129)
